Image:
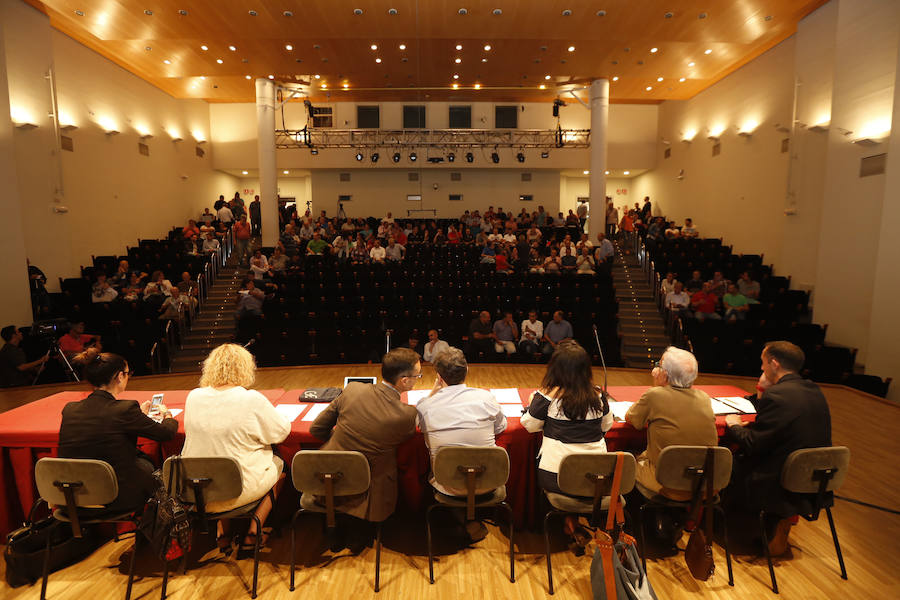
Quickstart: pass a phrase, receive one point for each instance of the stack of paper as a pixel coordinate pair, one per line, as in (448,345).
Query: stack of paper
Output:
(507,395)
(720,408)
(413,397)
(619,409)
(290,411)
(741,404)
(512,410)
(314,411)
(176,411)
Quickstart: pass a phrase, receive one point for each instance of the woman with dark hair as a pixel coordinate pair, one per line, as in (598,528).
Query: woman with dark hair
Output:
(101,427)
(574,417)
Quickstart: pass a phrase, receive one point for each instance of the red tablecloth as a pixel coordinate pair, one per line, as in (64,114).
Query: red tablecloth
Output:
(31,432)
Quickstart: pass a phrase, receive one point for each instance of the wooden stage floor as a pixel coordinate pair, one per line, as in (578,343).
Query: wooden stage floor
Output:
(870,539)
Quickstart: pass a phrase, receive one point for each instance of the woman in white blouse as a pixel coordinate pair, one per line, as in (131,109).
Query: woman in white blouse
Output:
(225,418)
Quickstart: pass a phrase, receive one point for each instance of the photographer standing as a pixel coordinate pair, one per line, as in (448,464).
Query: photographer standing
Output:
(14,370)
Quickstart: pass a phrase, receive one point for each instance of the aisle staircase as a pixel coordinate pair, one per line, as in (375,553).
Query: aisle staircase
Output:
(214,324)
(643,331)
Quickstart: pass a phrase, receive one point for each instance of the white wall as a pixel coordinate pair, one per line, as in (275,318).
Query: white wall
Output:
(574,187)
(740,193)
(114,195)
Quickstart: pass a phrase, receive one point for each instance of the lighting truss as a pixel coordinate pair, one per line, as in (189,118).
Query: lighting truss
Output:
(432,138)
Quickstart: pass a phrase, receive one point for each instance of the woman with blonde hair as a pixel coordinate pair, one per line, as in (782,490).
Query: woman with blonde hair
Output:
(223,417)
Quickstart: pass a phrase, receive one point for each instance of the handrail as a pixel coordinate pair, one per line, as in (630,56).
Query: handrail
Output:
(154,358)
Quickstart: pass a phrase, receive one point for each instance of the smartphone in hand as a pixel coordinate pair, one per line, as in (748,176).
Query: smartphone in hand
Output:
(155,402)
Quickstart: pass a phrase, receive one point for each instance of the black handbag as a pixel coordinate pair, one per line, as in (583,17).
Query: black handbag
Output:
(25,547)
(165,522)
(326,394)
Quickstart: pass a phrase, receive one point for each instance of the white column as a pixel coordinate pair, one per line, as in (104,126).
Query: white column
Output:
(599,120)
(268,178)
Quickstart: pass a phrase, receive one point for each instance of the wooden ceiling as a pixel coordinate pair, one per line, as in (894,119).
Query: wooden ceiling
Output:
(528,42)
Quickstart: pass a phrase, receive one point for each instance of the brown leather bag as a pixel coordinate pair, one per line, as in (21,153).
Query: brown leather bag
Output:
(698,553)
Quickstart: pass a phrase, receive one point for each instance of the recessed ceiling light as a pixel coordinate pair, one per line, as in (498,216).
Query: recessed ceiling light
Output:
(543,87)
(477,86)
(285,172)
(149,13)
(271,77)
(378,60)
(167,61)
(459,46)
(691,64)
(458,60)
(601,13)
(357,11)
(182,12)
(232,48)
(546,77)
(148,48)
(487,47)
(586,172)
(497,12)
(403,46)
(374,47)
(288,13)
(245,173)
(246,77)
(681,80)
(252,13)
(567,13)
(219,60)
(346,85)
(659,78)
(324,85)
(392,11)
(456,77)
(571,48)
(606,172)
(654,50)
(204,47)
(80,13)
(203,77)
(463,11)
(483,60)
(288,47)
(317,76)
(649,87)
(626,172)
(707,51)
(616,78)
(455,85)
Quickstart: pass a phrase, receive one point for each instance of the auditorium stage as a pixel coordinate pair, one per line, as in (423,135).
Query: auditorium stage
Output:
(870,538)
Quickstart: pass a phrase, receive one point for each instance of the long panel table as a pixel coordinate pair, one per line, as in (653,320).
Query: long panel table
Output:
(31,432)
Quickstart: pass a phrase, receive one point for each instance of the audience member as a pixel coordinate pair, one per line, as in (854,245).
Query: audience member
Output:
(433,346)
(505,334)
(735,304)
(481,335)
(256,216)
(158,286)
(532,333)
(371,419)
(188,289)
(171,308)
(718,285)
(102,427)
(695,283)
(15,369)
(573,416)
(225,418)
(259,264)
(241,232)
(585,262)
(704,304)
(557,331)
(211,244)
(674,414)
(317,246)
(102,291)
(394,252)
(678,300)
(791,414)
(552,264)
(605,250)
(454,414)
(377,253)
(672,231)
(249,301)
(76,340)
(689,231)
(748,287)
(612,218)
(668,284)
(224,215)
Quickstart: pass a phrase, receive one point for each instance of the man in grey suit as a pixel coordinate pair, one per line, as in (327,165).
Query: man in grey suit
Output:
(371,419)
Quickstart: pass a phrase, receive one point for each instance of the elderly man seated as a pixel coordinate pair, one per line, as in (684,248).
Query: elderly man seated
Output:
(454,414)
(673,413)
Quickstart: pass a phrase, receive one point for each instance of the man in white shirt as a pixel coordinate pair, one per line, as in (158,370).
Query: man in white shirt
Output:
(434,346)
(394,251)
(678,300)
(605,250)
(532,332)
(454,414)
(377,253)
(210,244)
(102,291)
(225,215)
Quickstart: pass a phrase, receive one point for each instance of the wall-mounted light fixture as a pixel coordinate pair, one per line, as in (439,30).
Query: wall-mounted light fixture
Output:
(22,119)
(823,126)
(688,136)
(746,130)
(108,125)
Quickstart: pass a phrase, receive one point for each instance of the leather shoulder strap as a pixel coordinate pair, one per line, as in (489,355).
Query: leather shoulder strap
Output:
(615,508)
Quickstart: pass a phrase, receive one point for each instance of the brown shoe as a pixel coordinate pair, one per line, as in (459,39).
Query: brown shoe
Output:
(778,543)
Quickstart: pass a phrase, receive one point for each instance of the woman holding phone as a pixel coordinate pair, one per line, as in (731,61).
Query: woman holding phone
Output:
(103,427)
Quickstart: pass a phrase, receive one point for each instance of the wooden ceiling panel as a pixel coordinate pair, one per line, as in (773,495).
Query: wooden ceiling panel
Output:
(528,41)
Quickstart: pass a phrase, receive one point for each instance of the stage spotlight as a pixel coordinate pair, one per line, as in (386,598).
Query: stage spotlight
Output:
(470,157)
(359,156)
(412,156)
(374,157)
(495,157)
(520,157)
(314,150)
(556,104)
(396,157)
(451,157)
(545,155)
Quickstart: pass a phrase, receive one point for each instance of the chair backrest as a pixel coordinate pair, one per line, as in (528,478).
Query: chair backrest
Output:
(678,467)
(804,469)
(578,473)
(92,482)
(489,466)
(218,477)
(349,470)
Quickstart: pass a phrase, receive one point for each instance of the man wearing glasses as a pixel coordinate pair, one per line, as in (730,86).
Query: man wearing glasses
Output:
(371,419)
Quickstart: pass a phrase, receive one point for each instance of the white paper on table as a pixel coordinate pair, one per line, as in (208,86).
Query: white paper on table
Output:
(742,404)
(507,395)
(290,411)
(512,410)
(413,397)
(720,408)
(314,411)
(619,408)
(176,411)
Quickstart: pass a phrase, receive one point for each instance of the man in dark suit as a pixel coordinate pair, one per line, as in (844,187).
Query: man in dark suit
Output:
(371,419)
(792,414)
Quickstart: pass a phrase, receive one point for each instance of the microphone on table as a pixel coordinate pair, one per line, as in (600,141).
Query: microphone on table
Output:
(602,362)
(387,340)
